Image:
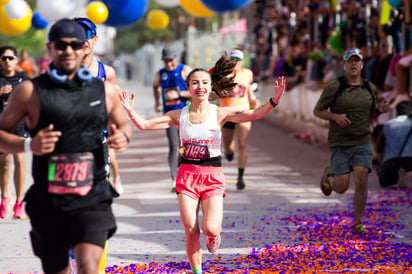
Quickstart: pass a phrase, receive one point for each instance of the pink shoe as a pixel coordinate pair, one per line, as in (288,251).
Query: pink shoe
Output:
(213,245)
(4,207)
(19,210)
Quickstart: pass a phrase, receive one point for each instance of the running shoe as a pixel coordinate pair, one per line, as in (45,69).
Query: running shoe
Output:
(359,228)
(213,245)
(240,184)
(19,210)
(173,187)
(229,156)
(4,207)
(117,183)
(324,182)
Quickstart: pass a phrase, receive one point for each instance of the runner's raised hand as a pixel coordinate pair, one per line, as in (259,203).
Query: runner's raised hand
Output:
(278,89)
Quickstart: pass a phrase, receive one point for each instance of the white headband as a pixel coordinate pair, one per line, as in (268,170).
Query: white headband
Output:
(237,53)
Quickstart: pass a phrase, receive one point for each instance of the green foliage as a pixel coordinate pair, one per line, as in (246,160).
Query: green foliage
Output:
(134,37)
(33,40)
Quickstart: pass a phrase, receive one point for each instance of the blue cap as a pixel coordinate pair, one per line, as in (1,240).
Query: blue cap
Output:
(351,52)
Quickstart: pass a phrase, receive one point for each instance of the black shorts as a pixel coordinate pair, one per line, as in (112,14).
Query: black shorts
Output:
(229,125)
(54,233)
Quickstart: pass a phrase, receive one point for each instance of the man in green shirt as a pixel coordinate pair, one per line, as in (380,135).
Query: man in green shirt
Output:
(349,109)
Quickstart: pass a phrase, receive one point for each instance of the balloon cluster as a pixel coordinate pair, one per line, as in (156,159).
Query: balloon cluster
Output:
(17,17)
(158,19)
(206,8)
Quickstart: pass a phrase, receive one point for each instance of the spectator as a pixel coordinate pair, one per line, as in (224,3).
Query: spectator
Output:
(44,62)
(402,72)
(398,146)
(260,64)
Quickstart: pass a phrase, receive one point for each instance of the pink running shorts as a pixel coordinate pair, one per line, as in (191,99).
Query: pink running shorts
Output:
(200,181)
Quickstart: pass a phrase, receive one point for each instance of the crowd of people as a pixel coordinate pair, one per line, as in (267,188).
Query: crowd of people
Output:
(290,34)
(306,42)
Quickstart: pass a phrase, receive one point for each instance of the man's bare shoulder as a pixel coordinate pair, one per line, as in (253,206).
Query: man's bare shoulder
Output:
(24,88)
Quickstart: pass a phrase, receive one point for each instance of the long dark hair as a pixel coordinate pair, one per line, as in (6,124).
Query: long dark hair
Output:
(222,84)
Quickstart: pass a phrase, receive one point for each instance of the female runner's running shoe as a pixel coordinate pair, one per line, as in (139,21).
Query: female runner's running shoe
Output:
(213,245)
(19,210)
(4,207)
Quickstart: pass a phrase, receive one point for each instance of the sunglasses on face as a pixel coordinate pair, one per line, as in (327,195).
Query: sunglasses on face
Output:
(8,57)
(75,45)
(234,58)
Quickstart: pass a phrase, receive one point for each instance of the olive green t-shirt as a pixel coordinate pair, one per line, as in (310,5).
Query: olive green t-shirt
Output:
(355,100)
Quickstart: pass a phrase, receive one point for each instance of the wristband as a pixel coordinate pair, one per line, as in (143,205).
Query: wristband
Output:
(27,145)
(273,103)
(127,138)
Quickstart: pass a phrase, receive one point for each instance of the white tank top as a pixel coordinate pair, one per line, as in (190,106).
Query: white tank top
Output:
(199,141)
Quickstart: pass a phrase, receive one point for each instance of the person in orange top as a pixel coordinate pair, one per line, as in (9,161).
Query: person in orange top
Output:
(240,98)
(27,65)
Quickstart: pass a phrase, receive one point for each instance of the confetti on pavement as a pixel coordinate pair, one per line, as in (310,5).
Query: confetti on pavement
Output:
(318,240)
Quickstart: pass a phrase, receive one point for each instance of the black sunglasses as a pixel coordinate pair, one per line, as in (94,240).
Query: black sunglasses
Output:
(8,57)
(75,45)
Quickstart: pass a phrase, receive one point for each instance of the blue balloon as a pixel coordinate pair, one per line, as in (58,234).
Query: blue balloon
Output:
(394,3)
(38,22)
(220,6)
(124,13)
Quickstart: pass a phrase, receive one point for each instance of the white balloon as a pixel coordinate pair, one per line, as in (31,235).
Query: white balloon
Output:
(168,3)
(56,9)
(16,9)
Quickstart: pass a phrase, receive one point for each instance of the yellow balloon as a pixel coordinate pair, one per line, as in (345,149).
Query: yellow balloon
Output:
(97,12)
(157,19)
(12,27)
(196,8)
(3,2)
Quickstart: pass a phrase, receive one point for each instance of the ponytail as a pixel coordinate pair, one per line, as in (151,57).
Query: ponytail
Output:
(222,84)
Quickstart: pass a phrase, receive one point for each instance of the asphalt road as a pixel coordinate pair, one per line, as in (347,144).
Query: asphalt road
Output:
(282,173)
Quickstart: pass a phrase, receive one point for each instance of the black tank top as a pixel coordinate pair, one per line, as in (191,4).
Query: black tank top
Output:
(79,111)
